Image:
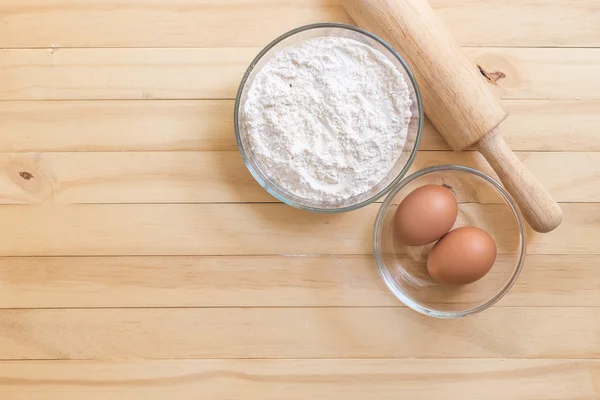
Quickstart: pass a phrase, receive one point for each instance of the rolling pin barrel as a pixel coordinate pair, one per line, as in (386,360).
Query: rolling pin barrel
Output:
(456,97)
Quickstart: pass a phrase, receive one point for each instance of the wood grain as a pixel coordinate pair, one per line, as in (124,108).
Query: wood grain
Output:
(159,177)
(177,23)
(218,177)
(204,73)
(522,73)
(386,379)
(129,288)
(246,229)
(260,281)
(381,332)
(169,125)
(166,73)
(45,126)
(151,23)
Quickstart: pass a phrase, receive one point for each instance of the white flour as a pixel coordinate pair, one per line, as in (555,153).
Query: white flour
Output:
(327,118)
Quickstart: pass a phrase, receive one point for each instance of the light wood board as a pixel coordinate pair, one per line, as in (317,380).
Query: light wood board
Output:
(305,332)
(140,260)
(176,125)
(173,73)
(214,23)
(258,281)
(220,176)
(353,379)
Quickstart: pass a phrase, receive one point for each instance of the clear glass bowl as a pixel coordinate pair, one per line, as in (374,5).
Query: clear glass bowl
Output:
(482,203)
(414,129)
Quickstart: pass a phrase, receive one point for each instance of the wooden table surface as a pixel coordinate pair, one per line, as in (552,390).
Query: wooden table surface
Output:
(140,260)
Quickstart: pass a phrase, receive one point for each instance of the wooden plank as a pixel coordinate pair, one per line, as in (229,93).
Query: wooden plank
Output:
(248,229)
(32,282)
(551,125)
(158,177)
(168,229)
(538,332)
(166,73)
(192,177)
(163,177)
(169,125)
(509,23)
(385,379)
(344,281)
(32,126)
(201,73)
(142,23)
(529,73)
(151,23)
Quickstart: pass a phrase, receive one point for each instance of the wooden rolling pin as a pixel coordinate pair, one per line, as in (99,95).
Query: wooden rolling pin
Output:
(456,97)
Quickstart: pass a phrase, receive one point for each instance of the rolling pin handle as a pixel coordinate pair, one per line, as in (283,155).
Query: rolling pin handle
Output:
(539,209)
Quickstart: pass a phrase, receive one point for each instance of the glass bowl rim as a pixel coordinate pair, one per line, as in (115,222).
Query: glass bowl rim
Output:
(390,282)
(246,158)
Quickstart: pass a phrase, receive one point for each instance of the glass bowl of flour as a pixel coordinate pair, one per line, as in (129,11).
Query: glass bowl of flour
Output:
(328,117)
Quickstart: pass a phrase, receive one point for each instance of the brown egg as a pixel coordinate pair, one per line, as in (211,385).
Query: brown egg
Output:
(462,256)
(425,215)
